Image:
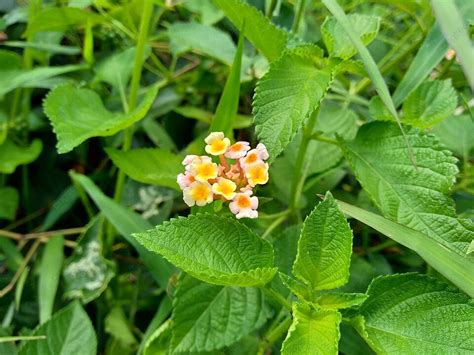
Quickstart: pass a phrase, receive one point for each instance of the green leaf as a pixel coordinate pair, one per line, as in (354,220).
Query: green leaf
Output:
(456,32)
(13,155)
(12,76)
(208,317)
(446,260)
(416,314)
(116,69)
(324,248)
(117,325)
(264,35)
(287,95)
(215,249)
(298,288)
(417,197)
(206,40)
(79,114)
(148,165)
(379,111)
(210,14)
(9,202)
(87,273)
(313,331)
(338,300)
(457,133)
(229,101)
(45,47)
(49,273)
(338,42)
(127,222)
(69,331)
(429,104)
(58,19)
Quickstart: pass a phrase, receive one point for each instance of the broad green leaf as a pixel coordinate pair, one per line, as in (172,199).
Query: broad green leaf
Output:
(416,314)
(338,42)
(61,206)
(456,32)
(313,331)
(49,273)
(339,300)
(287,95)
(8,203)
(79,114)
(417,197)
(127,222)
(69,331)
(208,317)
(447,261)
(12,155)
(203,39)
(116,69)
(214,249)
(148,165)
(87,273)
(229,102)
(264,35)
(324,248)
(457,134)
(298,288)
(117,325)
(379,111)
(12,76)
(429,104)
(59,19)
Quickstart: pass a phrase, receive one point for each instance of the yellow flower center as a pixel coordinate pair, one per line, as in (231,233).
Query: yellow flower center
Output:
(251,158)
(236,147)
(218,145)
(206,171)
(200,192)
(243,201)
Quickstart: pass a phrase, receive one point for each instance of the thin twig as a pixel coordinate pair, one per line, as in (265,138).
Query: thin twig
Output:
(20,270)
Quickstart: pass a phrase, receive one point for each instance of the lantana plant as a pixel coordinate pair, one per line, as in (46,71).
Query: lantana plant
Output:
(232,179)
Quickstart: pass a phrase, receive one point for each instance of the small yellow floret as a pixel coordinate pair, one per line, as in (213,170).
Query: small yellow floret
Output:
(217,144)
(225,188)
(198,193)
(204,171)
(257,174)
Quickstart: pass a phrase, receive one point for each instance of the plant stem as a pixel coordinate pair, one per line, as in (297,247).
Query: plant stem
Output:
(276,296)
(299,176)
(273,215)
(272,226)
(274,334)
(134,86)
(321,138)
(300,5)
(271,9)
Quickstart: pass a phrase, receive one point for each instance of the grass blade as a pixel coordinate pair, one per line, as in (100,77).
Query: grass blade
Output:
(370,65)
(453,266)
(229,101)
(50,271)
(454,30)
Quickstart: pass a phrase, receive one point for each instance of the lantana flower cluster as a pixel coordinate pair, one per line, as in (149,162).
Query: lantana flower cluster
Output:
(239,170)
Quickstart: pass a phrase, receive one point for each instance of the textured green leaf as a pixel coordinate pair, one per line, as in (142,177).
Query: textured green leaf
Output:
(9,202)
(338,42)
(79,114)
(116,69)
(379,111)
(429,104)
(416,314)
(12,155)
(87,273)
(288,94)
(49,273)
(338,300)
(148,165)
(214,249)
(69,331)
(208,317)
(58,19)
(229,102)
(206,40)
(127,222)
(447,261)
(313,331)
(12,76)
(413,196)
(298,288)
(324,248)
(263,34)
(457,134)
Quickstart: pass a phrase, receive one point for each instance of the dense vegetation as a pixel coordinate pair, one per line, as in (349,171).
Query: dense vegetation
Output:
(236,177)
